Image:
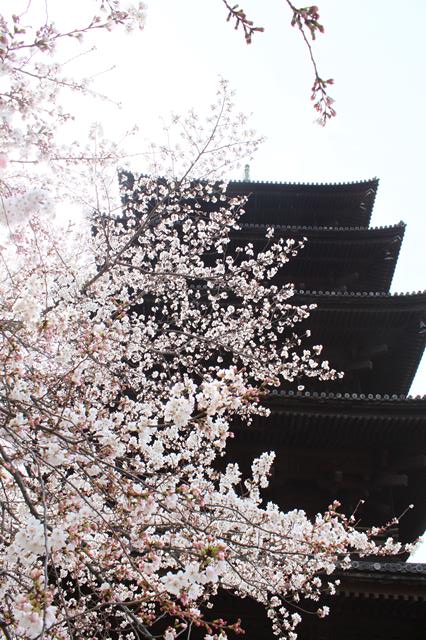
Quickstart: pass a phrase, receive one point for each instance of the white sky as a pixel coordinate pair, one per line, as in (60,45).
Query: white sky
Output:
(374,50)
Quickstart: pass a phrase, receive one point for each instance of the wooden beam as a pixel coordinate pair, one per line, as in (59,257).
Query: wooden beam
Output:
(391,480)
(411,463)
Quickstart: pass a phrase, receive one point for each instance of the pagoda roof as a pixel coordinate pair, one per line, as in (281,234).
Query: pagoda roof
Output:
(348,450)
(344,447)
(374,600)
(370,603)
(399,297)
(385,579)
(341,419)
(400,400)
(339,204)
(399,569)
(377,339)
(344,258)
(284,229)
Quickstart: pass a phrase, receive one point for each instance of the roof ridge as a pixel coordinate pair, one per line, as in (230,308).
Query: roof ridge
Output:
(253,225)
(359,294)
(348,396)
(390,567)
(307,184)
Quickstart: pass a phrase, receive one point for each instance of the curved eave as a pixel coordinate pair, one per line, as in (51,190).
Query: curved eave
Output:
(343,259)
(337,233)
(351,326)
(315,423)
(381,404)
(413,299)
(344,204)
(343,450)
(297,186)
(399,569)
(385,580)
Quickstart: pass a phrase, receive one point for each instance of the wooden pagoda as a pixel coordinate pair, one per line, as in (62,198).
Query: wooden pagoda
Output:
(358,438)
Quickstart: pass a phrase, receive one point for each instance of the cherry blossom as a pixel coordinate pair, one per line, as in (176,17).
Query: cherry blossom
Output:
(129,346)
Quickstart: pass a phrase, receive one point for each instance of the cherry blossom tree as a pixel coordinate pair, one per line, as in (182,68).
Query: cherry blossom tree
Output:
(128,347)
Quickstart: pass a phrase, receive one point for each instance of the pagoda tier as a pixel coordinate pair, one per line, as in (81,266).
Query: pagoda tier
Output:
(339,259)
(376,339)
(374,600)
(313,205)
(343,447)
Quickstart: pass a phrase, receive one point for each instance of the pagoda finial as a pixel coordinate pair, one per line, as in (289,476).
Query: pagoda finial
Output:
(247,173)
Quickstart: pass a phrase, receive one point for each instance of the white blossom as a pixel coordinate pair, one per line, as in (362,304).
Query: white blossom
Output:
(129,346)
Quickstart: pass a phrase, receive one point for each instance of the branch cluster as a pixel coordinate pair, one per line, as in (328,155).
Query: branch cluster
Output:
(127,349)
(306,19)
(240,19)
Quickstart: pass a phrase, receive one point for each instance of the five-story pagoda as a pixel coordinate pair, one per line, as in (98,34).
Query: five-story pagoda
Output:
(359,439)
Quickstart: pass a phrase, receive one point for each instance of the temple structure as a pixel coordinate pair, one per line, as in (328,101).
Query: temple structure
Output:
(358,438)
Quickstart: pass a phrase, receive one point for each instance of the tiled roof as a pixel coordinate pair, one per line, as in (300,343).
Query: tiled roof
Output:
(298,185)
(335,205)
(411,568)
(361,397)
